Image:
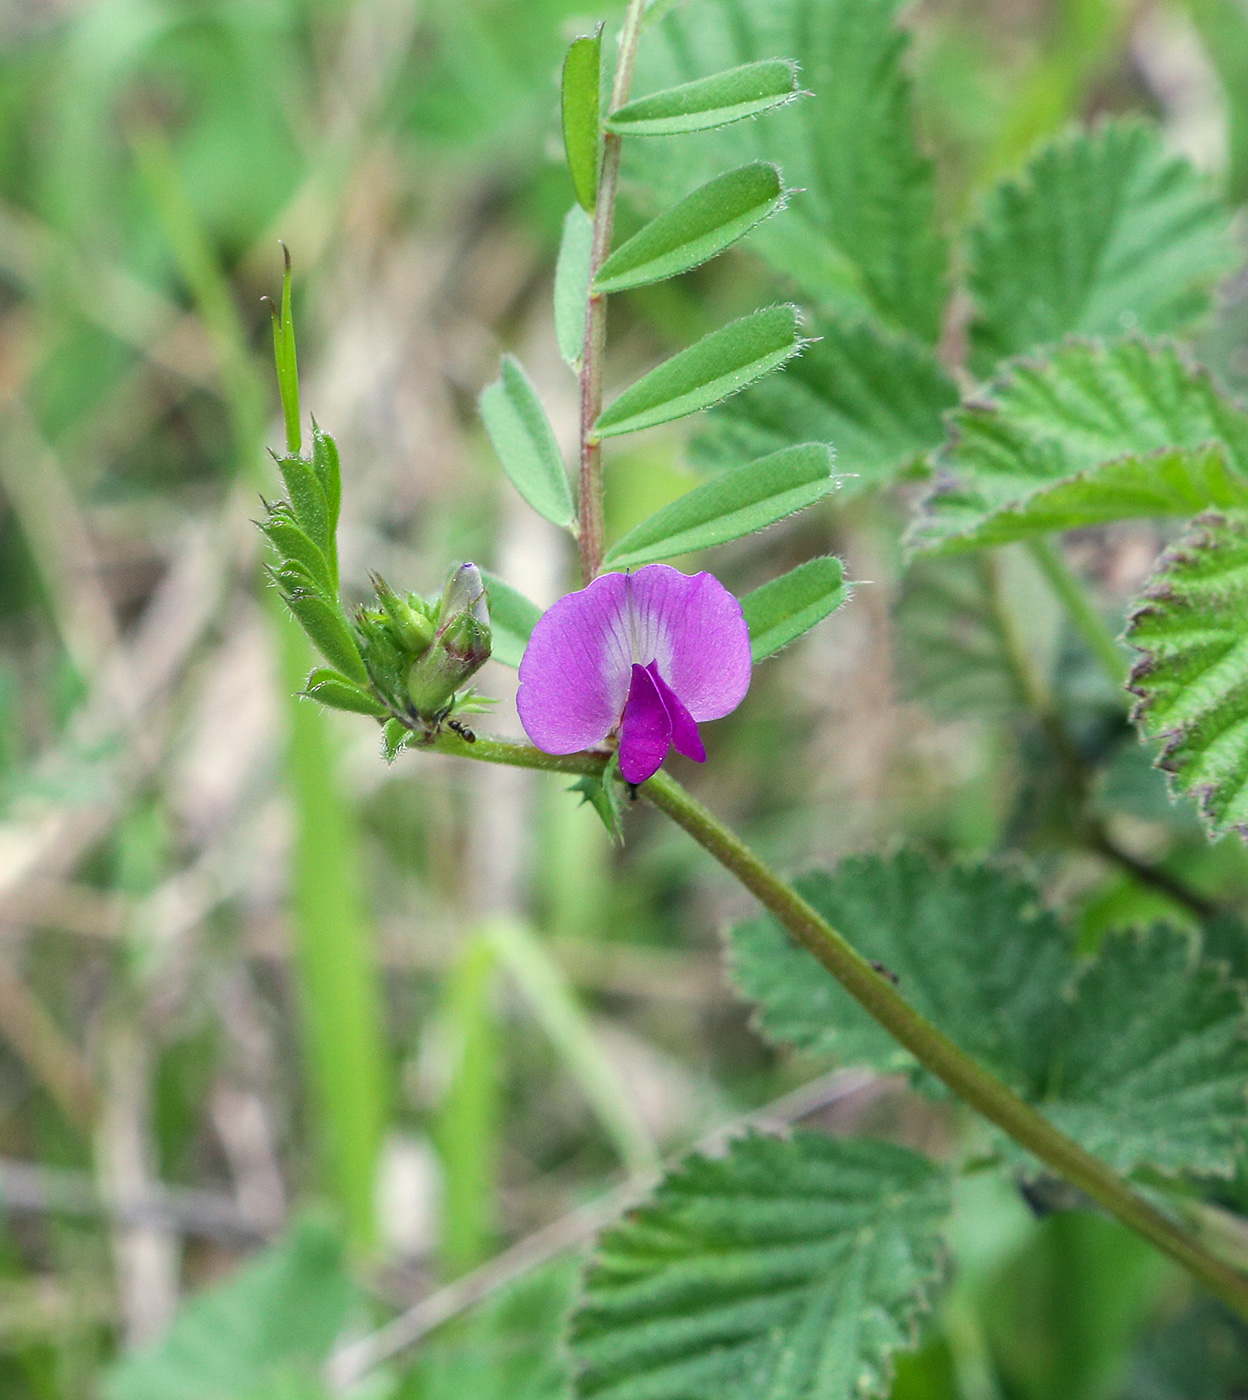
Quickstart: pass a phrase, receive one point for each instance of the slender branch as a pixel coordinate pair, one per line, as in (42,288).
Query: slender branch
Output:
(1083,612)
(930,1046)
(592,532)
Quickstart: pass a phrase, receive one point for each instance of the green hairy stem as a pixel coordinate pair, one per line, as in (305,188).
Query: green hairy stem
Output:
(877,996)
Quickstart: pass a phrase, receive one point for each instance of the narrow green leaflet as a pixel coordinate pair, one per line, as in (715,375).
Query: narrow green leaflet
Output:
(709,102)
(582,81)
(1080,437)
(720,364)
(878,398)
(864,237)
(702,225)
(276,1317)
(1141,1055)
(1191,680)
(780,611)
(525,443)
(576,252)
(330,633)
(512,619)
(789,1269)
(1103,232)
(735,504)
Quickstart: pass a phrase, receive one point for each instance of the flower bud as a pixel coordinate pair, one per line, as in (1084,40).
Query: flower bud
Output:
(410,622)
(460,647)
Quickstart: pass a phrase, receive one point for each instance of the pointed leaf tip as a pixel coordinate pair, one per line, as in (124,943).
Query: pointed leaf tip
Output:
(725,97)
(719,365)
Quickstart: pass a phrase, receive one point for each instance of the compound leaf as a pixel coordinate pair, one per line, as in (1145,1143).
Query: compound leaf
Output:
(1088,434)
(1191,680)
(1103,232)
(791,1269)
(704,103)
(718,365)
(864,237)
(781,610)
(878,398)
(701,226)
(525,442)
(737,503)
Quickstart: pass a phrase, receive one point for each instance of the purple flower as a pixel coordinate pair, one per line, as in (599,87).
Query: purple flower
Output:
(652,653)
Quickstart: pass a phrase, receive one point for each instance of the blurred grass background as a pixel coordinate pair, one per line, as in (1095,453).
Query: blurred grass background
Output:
(247,966)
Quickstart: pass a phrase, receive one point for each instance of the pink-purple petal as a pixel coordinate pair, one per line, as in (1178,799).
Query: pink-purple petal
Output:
(575,673)
(646,732)
(685,736)
(695,630)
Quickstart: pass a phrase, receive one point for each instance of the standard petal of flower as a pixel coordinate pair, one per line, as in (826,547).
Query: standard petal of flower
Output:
(685,736)
(646,734)
(576,670)
(694,628)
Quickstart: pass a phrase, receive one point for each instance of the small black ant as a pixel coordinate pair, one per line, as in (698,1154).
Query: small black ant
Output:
(462,730)
(886,972)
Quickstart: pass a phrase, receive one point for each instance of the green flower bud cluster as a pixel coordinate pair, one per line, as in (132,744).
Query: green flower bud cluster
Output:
(418,655)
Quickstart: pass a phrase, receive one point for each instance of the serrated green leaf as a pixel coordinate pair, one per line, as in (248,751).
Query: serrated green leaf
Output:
(720,364)
(1103,232)
(579,98)
(572,269)
(788,1269)
(512,619)
(1153,1064)
(525,442)
(780,611)
(1142,1055)
(1081,437)
(701,226)
(293,544)
(278,1315)
(1191,628)
(330,634)
(704,103)
(339,693)
(878,398)
(307,499)
(864,237)
(737,503)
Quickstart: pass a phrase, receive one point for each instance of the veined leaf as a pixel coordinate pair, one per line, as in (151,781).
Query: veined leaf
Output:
(702,225)
(339,693)
(709,102)
(732,505)
(788,1269)
(864,237)
(878,398)
(1104,232)
(329,633)
(576,253)
(1191,628)
(720,364)
(525,442)
(582,81)
(1082,437)
(780,611)
(1142,1055)
(512,619)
